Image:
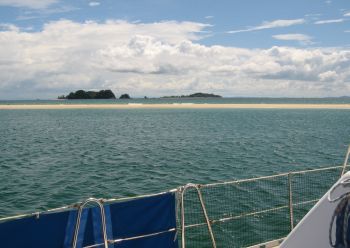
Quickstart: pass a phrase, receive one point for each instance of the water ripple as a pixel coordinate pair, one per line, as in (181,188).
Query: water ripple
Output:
(51,158)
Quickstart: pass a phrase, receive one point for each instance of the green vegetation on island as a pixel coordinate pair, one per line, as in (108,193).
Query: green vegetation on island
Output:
(108,94)
(193,95)
(81,94)
(124,96)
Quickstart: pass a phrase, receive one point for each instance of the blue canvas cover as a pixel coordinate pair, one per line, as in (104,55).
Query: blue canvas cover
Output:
(126,219)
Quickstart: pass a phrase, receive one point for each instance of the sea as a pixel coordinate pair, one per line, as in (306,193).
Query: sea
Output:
(50,158)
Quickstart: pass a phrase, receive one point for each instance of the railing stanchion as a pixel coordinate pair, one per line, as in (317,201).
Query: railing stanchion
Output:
(204,210)
(290,194)
(345,162)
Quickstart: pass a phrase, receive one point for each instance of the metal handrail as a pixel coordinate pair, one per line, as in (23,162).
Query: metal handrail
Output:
(208,222)
(99,203)
(72,206)
(345,161)
(291,209)
(183,191)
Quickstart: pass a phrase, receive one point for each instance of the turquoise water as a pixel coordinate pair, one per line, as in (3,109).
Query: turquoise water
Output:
(49,158)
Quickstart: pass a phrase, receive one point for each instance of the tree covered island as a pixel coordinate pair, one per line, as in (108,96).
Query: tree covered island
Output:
(82,94)
(193,95)
(125,96)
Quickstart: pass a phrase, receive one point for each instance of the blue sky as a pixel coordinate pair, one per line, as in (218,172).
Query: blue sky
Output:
(223,17)
(236,48)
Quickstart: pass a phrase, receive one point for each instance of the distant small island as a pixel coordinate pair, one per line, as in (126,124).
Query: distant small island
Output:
(81,94)
(193,95)
(125,96)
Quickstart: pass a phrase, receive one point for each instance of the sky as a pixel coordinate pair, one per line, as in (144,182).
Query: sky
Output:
(250,48)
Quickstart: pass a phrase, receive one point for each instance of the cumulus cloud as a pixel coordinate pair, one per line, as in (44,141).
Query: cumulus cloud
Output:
(302,38)
(269,25)
(328,76)
(329,21)
(93,4)
(159,59)
(34,4)
(8,27)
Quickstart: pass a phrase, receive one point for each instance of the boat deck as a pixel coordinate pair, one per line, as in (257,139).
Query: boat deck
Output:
(270,244)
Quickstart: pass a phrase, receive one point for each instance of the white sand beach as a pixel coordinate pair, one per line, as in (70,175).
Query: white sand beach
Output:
(173,106)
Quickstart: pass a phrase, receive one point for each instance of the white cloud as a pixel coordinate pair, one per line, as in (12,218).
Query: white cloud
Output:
(271,24)
(159,59)
(312,17)
(347,14)
(304,39)
(41,13)
(209,17)
(328,76)
(8,27)
(93,4)
(34,4)
(329,21)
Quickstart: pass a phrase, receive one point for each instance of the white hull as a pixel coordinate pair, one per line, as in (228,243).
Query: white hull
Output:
(313,230)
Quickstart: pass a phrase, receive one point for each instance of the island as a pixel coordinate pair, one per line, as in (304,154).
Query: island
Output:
(193,95)
(81,94)
(125,96)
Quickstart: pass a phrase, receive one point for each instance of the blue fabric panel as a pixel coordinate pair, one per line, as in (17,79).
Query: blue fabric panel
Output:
(123,219)
(143,216)
(68,239)
(47,231)
(88,234)
(97,223)
(109,225)
(82,237)
(164,240)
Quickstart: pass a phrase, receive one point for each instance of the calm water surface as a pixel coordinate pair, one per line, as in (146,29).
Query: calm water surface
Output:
(50,158)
